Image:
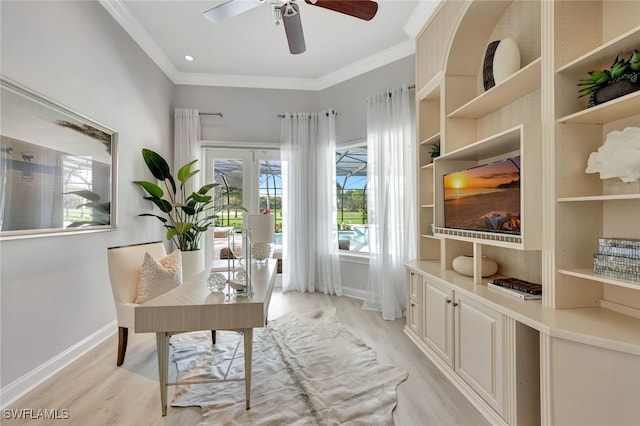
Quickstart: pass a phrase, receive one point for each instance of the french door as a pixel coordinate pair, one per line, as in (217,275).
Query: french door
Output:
(247,177)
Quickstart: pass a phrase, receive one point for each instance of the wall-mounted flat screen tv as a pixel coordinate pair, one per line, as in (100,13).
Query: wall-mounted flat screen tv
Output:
(484,198)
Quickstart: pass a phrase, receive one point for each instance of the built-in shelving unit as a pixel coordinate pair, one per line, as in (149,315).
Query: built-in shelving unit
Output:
(588,274)
(428,100)
(599,198)
(524,141)
(516,86)
(623,107)
(580,130)
(535,113)
(602,55)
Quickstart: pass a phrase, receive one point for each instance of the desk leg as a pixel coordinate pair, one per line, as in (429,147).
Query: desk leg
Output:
(248,355)
(162,347)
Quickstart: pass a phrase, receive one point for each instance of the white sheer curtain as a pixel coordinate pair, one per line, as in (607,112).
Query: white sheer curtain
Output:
(391,198)
(186,148)
(186,141)
(310,243)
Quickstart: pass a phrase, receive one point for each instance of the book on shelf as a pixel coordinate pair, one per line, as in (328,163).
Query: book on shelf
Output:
(520,285)
(618,258)
(515,293)
(624,247)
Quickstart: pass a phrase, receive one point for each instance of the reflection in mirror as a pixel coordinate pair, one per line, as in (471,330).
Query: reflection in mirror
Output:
(57,168)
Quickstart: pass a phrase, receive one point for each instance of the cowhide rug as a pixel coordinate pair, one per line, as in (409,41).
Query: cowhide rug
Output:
(308,369)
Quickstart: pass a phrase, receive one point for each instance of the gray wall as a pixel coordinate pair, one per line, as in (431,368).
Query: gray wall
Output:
(350,97)
(55,291)
(251,115)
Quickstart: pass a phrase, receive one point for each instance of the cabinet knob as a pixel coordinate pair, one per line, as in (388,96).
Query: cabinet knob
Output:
(455,304)
(413,304)
(448,300)
(413,273)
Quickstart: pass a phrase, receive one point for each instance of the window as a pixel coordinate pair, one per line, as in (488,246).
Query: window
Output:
(245,177)
(229,175)
(351,194)
(270,183)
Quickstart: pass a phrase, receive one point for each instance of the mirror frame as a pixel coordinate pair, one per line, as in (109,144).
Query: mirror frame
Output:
(78,127)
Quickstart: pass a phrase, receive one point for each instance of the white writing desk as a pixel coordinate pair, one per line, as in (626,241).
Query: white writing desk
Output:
(191,307)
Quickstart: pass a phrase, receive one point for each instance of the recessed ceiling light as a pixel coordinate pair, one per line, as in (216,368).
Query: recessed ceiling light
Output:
(189,58)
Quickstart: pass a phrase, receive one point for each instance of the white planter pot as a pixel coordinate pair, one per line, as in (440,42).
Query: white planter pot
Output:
(192,263)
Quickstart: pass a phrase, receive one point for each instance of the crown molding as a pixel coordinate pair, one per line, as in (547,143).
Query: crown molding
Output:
(420,16)
(355,69)
(245,81)
(130,24)
(123,16)
(384,57)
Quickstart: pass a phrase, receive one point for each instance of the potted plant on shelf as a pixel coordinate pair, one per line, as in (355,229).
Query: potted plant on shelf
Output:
(435,151)
(622,78)
(186,216)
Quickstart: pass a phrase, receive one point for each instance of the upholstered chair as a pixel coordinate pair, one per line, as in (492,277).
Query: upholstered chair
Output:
(125,263)
(124,271)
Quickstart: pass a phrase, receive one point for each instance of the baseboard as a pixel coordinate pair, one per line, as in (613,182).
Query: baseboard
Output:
(354,293)
(475,399)
(35,377)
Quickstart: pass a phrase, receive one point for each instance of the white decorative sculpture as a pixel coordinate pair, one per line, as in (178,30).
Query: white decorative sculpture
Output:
(501,60)
(619,156)
(506,60)
(464,266)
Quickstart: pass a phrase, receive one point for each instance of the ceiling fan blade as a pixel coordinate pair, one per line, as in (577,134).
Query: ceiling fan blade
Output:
(230,9)
(293,27)
(363,9)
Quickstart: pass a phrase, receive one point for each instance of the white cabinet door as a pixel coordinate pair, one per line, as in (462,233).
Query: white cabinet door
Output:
(414,302)
(478,349)
(438,319)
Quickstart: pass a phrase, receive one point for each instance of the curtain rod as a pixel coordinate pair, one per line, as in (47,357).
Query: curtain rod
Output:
(283,115)
(413,86)
(211,113)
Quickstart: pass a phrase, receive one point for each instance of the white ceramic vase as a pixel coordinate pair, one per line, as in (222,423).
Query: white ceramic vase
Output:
(260,251)
(192,263)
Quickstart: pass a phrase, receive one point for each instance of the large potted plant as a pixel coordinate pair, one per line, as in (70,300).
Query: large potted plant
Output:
(622,78)
(186,214)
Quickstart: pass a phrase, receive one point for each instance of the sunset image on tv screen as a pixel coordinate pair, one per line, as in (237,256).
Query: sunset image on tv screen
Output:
(484,198)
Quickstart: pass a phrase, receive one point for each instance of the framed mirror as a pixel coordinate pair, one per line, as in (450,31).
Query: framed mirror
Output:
(57,167)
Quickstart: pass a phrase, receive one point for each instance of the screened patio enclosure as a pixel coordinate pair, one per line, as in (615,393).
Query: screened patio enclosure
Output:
(351,194)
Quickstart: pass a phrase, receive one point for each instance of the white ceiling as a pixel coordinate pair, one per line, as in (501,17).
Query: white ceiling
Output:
(250,50)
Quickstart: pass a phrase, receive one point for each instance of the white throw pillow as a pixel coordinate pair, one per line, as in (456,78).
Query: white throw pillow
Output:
(159,276)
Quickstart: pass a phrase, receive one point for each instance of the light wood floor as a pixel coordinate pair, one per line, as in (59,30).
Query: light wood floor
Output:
(96,392)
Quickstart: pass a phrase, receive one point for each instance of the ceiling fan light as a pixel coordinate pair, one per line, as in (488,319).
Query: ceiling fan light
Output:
(293,29)
(288,9)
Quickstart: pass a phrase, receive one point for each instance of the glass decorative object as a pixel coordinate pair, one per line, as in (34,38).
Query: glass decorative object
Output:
(240,273)
(216,282)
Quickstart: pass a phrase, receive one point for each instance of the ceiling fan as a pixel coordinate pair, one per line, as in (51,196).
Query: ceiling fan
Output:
(288,12)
